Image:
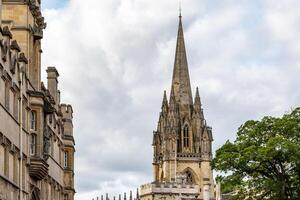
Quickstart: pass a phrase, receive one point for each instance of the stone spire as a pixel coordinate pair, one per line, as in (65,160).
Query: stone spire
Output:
(197,103)
(181,81)
(164,105)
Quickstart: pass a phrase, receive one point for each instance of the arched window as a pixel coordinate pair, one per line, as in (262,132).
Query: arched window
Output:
(186,141)
(189,178)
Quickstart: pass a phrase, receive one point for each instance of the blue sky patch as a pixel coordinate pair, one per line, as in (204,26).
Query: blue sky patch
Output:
(53,4)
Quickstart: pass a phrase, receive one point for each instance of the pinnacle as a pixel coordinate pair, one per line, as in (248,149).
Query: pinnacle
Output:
(197,98)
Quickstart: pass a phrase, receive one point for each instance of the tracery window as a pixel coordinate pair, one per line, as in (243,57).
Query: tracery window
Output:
(186,141)
(189,178)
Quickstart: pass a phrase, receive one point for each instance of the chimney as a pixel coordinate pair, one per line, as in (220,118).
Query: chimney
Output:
(52,76)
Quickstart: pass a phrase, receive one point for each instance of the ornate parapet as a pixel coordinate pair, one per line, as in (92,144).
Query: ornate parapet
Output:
(189,156)
(170,188)
(38,168)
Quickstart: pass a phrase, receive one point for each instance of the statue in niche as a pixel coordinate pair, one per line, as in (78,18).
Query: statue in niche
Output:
(14,63)
(47,138)
(4,47)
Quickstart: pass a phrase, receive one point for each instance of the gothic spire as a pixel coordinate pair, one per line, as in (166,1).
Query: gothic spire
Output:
(197,99)
(164,105)
(181,81)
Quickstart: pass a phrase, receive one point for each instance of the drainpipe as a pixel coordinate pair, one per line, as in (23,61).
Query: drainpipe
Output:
(21,133)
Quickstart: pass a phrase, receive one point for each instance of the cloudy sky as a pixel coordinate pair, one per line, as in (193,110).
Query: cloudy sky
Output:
(115,58)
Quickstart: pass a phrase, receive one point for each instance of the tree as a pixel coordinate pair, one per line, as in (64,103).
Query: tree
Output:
(264,161)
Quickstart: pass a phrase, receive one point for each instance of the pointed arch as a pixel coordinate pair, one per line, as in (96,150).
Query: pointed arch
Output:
(191,176)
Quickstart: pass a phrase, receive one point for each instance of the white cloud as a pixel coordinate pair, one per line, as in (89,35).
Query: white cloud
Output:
(115,59)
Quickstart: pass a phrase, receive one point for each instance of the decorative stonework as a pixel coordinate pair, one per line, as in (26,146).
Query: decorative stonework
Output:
(182,142)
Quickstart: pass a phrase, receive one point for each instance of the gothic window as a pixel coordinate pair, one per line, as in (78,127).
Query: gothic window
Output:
(186,136)
(32,144)
(33,120)
(66,158)
(189,178)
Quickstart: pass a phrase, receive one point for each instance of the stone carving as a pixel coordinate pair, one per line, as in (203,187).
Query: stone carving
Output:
(46,140)
(5,42)
(14,56)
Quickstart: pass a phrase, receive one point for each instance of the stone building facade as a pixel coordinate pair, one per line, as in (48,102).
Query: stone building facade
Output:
(36,129)
(182,143)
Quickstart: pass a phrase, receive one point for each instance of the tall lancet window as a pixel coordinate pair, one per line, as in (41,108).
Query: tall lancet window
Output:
(186,141)
(189,178)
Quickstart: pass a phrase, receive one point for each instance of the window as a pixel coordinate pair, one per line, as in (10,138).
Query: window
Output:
(65,197)
(186,136)
(33,120)
(32,144)
(24,114)
(6,100)
(66,157)
(15,108)
(2,160)
(189,178)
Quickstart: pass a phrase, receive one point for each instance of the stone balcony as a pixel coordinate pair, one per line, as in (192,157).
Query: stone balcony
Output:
(170,188)
(38,168)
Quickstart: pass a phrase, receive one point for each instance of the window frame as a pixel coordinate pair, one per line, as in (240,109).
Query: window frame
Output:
(7,94)
(66,159)
(186,138)
(33,120)
(33,145)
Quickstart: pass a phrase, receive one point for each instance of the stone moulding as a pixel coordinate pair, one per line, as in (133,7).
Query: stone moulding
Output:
(38,168)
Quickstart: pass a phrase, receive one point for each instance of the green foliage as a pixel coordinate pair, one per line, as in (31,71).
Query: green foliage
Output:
(264,160)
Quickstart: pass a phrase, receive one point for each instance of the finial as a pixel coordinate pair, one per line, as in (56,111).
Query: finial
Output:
(165,97)
(180,9)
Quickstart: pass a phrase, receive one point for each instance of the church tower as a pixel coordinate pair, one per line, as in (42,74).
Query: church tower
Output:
(182,143)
